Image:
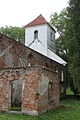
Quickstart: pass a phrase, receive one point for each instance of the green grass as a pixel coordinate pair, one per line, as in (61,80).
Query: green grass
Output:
(69,92)
(69,110)
(16,108)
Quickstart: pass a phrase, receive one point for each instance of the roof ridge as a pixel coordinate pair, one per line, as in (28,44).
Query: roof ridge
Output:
(40,16)
(38,21)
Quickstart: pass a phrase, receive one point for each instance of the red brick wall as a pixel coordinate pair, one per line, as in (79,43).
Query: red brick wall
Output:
(2,62)
(29,102)
(32,100)
(45,103)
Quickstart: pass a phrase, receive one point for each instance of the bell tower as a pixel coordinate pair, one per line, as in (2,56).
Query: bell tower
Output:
(40,35)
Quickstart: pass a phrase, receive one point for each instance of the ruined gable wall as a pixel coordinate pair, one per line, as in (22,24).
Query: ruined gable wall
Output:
(13,54)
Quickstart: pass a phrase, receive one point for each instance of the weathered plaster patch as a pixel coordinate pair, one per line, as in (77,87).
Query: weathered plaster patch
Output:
(9,60)
(43,84)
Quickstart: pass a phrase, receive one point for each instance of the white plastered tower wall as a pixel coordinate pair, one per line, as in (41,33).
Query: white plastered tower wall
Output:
(39,44)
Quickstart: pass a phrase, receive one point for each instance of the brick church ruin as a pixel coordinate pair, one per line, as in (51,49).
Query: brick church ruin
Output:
(30,74)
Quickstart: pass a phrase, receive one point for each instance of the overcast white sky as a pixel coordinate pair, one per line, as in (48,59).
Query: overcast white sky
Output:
(21,12)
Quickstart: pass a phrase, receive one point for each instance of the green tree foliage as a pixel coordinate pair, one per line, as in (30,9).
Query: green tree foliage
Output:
(59,21)
(73,41)
(67,24)
(16,33)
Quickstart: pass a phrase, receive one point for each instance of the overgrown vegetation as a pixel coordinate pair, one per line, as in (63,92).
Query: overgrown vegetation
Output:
(68,110)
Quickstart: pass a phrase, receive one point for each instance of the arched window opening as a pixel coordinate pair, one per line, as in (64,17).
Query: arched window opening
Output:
(30,60)
(56,68)
(35,34)
(51,36)
(50,91)
(62,76)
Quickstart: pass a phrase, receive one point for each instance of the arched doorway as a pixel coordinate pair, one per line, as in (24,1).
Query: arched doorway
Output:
(16,94)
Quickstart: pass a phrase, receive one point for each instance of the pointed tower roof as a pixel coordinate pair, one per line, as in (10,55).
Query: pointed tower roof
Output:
(38,21)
